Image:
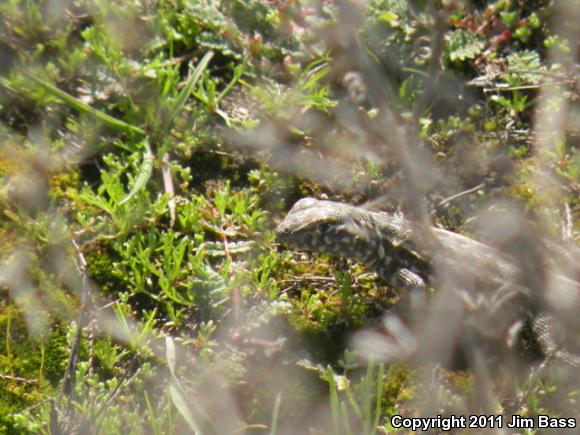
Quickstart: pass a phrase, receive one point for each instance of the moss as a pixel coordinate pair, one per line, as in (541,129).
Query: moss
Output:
(463,382)
(399,386)
(4,164)
(33,368)
(101,266)
(64,185)
(56,351)
(12,158)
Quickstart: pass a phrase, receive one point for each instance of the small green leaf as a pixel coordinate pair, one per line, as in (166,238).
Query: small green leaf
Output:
(535,21)
(390,18)
(509,19)
(170,354)
(144,173)
(524,67)
(523,33)
(490,125)
(463,45)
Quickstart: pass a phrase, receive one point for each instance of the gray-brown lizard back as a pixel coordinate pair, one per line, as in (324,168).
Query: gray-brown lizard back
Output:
(486,281)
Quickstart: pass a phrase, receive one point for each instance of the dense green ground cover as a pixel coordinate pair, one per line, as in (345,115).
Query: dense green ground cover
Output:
(147,150)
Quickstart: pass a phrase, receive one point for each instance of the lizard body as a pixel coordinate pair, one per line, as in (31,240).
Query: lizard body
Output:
(485,281)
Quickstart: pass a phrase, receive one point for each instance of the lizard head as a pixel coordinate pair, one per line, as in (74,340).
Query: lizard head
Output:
(331,227)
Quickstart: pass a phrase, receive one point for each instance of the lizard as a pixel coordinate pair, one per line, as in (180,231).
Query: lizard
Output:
(487,283)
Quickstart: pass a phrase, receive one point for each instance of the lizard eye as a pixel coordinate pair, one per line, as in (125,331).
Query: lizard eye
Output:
(324,227)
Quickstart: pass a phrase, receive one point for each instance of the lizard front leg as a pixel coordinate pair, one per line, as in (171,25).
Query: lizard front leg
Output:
(415,289)
(407,279)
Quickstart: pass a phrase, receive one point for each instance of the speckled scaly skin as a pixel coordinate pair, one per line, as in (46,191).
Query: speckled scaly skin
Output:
(485,281)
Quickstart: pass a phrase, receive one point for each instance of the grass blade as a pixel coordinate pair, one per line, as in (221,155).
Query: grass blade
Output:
(334,406)
(72,102)
(191,81)
(367,398)
(238,70)
(378,398)
(181,405)
(345,419)
(275,411)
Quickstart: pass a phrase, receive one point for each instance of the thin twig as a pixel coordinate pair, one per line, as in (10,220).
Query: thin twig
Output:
(308,278)
(567,223)
(168,186)
(460,194)
(69,379)
(498,88)
(19,379)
